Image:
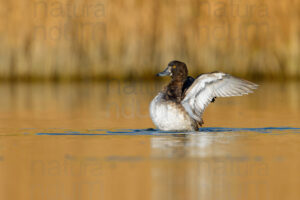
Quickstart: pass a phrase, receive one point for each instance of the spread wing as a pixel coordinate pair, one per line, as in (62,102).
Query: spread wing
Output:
(208,86)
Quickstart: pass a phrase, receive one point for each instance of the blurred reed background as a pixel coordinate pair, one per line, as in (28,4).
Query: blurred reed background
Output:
(133,39)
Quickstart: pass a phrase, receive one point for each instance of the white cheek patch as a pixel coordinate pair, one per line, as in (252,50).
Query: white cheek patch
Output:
(170,71)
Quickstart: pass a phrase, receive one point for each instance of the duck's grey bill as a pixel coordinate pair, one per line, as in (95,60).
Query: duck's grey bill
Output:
(166,72)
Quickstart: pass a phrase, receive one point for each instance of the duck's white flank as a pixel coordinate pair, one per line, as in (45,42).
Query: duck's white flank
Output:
(170,116)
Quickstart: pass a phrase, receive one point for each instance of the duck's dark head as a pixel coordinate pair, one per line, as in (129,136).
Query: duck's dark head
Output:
(175,69)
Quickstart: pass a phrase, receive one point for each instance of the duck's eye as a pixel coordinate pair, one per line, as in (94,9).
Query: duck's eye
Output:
(174,67)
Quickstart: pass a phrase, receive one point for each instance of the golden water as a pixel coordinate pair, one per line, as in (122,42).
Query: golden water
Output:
(87,141)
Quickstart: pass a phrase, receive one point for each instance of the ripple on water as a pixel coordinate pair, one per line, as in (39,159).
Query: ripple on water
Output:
(150,131)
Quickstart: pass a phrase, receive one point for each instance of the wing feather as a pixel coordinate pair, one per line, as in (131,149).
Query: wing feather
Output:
(208,86)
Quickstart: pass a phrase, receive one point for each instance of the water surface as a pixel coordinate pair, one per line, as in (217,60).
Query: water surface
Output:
(96,141)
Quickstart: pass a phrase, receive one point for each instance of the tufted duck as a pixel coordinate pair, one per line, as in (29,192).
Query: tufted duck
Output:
(180,105)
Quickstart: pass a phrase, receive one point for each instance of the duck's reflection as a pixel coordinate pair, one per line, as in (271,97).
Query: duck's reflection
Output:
(177,174)
(198,166)
(187,145)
